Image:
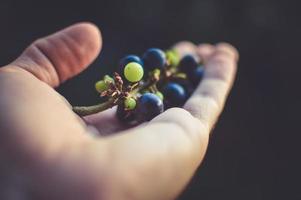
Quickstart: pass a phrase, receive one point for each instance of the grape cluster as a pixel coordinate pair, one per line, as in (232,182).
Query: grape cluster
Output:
(145,87)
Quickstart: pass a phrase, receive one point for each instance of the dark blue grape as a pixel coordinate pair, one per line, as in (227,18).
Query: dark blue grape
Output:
(149,106)
(128,59)
(197,75)
(188,64)
(154,58)
(186,84)
(125,116)
(174,95)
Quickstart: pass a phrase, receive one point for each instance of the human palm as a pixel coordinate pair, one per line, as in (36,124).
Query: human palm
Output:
(48,152)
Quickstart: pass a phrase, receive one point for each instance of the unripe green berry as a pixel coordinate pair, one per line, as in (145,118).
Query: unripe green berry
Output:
(130,103)
(108,79)
(101,86)
(144,91)
(133,72)
(160,95)
(172,57)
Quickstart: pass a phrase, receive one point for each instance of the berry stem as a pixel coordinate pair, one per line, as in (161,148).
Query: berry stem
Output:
(142,87)
(89,110)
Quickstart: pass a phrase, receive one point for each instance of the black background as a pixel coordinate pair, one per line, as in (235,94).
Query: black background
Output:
(254,150)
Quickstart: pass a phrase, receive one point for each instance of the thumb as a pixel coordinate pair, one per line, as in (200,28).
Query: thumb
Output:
(60,56)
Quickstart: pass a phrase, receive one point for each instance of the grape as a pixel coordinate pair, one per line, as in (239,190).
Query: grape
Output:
(197,75)
(130,103)
(175,95)
(125,116)
(133,72)
(149,106)
(186,84)
(108,79)
(144,91)
(128,59)
(188,64)
(101,86)
(172,57)
(160,95)
(154,58)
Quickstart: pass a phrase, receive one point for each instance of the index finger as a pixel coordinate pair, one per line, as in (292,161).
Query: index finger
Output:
(209,98)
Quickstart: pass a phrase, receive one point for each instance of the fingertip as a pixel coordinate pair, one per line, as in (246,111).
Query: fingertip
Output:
(185,47)
(228,48)
(222,63)
(205,50)
(221,66)
(62,55)
(88,36)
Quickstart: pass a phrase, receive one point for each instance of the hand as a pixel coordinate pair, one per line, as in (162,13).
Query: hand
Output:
(48,152)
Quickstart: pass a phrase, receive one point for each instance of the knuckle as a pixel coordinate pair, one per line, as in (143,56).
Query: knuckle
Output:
(205,50)
(185,43)
(38,42)
(178,117)
(209,100)
(178,114)
(185,47)
(205,46)
(221,58)
(221,69)
(228,49)
(213,102)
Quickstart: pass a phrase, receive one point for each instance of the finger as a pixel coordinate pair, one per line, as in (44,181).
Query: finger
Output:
(60,56)
(204,51)
(228,49)
(208,100)
(185,47)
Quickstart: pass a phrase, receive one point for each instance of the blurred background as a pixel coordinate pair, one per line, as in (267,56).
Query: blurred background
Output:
(255,148)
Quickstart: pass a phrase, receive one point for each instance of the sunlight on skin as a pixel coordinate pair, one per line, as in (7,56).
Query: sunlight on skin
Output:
(54,150)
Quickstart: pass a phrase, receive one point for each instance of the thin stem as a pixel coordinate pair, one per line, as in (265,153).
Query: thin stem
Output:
(142,87)
(89,110)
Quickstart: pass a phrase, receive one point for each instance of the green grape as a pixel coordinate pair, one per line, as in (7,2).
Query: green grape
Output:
(108,79)
(101,86)
(133,72)
(181,75)
(130,103)
(160,95)
(144,91)
(172,57)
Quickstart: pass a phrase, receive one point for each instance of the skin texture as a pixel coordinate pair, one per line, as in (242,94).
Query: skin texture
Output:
(48,152)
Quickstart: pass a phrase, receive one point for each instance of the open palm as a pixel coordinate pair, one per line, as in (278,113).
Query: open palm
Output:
(48,152)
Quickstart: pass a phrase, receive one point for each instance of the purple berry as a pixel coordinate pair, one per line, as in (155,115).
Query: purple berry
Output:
(188,64)
(175,95)
(149,106)
(154,58)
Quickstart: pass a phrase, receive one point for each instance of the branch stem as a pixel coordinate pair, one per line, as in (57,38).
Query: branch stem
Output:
(89,110)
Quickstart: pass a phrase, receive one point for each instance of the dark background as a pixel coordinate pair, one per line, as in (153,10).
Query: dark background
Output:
(254,151)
